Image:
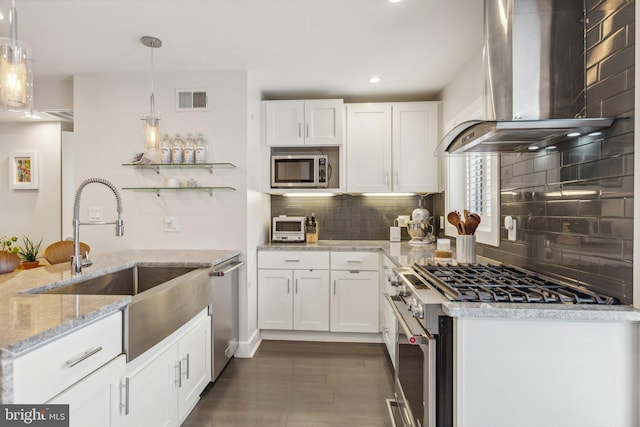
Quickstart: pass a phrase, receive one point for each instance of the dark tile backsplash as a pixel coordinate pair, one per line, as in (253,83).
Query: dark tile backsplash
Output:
(347,217)
(574,205)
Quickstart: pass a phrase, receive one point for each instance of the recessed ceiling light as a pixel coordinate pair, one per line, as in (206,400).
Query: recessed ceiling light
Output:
(595,134)
(395,1)
(375,79)
(572,134)
(533,148)
(551,147)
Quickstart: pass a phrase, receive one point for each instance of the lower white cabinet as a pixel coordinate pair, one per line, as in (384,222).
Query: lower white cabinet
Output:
(388,322)
(330,291)
(96,400)
(42,373)
(163,390)
(354,301)
(293,299)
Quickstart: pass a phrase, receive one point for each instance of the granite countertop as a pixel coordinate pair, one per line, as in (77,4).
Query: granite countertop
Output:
(405,255)
(401,253)
(30,319)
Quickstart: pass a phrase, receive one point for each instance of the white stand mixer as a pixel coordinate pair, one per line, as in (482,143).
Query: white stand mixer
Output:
(420,228)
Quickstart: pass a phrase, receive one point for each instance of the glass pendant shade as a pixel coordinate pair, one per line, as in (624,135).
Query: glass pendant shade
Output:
(152,132)
(16,76)
(151,121)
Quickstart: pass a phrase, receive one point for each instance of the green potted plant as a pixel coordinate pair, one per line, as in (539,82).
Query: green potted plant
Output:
(29,252)
(9,258)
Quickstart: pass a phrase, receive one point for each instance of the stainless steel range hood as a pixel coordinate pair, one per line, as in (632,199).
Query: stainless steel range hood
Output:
(534,79)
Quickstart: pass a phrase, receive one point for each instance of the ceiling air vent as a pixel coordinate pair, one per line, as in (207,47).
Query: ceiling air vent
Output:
(191,100)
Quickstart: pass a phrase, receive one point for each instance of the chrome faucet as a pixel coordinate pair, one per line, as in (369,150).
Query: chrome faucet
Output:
(77,260)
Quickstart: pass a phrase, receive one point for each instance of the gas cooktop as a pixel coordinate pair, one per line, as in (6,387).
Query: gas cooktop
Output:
(504,283)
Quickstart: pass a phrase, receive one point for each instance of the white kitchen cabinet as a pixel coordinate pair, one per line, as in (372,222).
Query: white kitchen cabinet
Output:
(388,323)
(152,398)
(164,389)
(303,122)
(42,373)
(293,299)
(275,300)
(355,292)
(390,147)
(96,399)
(293,290)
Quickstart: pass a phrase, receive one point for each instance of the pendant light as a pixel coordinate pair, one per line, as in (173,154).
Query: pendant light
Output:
(16,77)
(151,121)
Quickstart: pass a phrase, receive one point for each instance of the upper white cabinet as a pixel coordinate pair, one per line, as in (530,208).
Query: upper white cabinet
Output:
(390,147)
(304,122)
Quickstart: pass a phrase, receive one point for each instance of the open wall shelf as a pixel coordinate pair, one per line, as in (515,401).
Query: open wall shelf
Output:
(158,190)
(158,166)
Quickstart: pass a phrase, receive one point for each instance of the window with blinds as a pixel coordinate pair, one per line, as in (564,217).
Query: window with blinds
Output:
(478,183)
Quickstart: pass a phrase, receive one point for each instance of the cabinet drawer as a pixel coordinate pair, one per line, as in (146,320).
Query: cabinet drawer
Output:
(355,260)
(44,372)
(303,260)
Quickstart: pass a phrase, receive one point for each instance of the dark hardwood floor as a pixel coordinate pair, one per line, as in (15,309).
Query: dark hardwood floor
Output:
(297,384)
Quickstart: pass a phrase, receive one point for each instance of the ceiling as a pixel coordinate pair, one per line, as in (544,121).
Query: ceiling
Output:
(292,48)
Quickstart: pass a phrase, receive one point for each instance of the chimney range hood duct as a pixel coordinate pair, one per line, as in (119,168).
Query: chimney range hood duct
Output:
(534,78)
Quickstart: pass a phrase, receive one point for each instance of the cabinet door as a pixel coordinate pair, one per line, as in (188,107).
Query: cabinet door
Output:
(284,123)
(354,301)
(323,122)
(311,300)
(415,139)
(275,299)
(152,393)
(389,330)
(369,148)
(194,350)
(95,400)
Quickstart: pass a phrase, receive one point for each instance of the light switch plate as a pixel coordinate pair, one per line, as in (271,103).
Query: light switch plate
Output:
(95,213)
(171,224)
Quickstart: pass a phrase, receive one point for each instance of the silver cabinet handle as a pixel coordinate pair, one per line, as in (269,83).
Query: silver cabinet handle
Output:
(334,287)
(124,405)
(296,286)
(307,130)
(357,261)
(397,178)
(299,130)
(291,260)
(186,362)
(74,362)
(288,286)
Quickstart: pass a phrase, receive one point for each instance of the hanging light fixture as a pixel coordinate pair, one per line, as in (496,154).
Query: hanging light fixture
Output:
(151,121)
(16,77)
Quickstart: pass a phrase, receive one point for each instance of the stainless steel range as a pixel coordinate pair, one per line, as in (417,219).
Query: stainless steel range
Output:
(424,365)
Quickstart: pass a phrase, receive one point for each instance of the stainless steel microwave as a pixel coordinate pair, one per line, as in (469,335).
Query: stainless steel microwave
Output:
(299,171)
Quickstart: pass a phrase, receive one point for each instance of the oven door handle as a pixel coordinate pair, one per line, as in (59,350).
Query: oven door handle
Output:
(413,338)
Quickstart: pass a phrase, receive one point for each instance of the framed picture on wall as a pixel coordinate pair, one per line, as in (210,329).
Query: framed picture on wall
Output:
(23,170)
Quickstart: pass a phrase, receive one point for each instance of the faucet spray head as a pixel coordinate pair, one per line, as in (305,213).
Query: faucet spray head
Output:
(119,227)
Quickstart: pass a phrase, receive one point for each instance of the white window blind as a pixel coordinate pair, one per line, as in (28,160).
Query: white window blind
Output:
(478,184)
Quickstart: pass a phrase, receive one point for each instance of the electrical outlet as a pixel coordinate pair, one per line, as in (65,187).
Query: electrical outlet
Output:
(95,213)
(171,224)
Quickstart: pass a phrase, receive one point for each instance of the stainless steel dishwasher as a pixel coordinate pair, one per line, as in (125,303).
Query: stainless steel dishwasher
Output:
(224,313)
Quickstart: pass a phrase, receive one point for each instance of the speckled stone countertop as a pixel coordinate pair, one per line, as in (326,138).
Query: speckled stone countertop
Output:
(401,253)
(30,318)
(405,255)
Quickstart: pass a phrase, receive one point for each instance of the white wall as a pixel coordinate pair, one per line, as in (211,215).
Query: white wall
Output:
(108,132)
(463,89)
(35,213)
(258,215)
